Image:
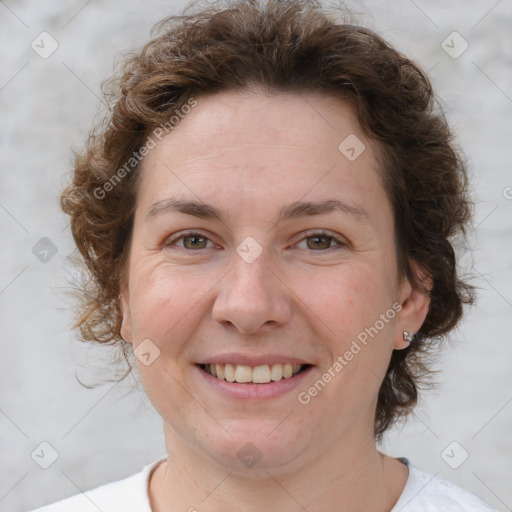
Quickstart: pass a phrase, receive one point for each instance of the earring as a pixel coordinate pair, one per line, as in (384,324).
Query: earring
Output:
(409,336)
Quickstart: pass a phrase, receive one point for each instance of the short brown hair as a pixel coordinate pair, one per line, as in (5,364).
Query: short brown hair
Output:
(281,46)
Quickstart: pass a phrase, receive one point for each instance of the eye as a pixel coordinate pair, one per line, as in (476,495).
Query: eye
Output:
(321,241)
(317,241)
(192,241)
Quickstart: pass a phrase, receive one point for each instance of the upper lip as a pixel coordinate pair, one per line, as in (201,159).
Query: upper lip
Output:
(252,360)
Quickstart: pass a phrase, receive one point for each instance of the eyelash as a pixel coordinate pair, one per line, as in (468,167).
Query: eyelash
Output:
(339,241)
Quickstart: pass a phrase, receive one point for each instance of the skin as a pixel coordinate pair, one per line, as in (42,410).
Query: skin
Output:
(250,154)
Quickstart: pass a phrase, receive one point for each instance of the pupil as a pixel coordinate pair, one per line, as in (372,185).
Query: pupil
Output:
(319,238)
(194,240)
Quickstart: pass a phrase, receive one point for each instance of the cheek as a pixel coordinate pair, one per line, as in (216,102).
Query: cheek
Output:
(349,305)
(154,306)
(163,310)
(166,304)
(347,299)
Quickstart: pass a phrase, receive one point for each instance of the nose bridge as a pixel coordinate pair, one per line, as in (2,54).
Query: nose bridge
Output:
(251,295)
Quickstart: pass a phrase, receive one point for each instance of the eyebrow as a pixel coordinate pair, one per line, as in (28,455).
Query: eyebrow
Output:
(292,211)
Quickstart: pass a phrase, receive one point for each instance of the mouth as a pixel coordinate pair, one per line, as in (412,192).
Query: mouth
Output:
(261,374)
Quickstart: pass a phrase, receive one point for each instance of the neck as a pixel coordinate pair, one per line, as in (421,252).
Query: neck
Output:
(321,482)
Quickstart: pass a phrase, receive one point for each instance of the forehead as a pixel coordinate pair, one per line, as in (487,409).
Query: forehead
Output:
(243,149)
(298,120)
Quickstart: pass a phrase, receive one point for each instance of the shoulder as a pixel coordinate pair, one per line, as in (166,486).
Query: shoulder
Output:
(126,495)
(425,492)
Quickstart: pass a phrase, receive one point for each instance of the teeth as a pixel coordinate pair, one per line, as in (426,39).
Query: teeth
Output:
(243,374)
(261,374)
(257,374)
(229,372)
(276,372)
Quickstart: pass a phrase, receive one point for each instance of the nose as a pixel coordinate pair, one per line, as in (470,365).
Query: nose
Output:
(252,295)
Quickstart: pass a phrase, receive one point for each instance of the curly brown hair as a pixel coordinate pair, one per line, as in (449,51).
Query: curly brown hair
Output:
(280,45)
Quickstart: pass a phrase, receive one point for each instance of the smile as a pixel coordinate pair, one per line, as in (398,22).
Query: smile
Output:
(261,374)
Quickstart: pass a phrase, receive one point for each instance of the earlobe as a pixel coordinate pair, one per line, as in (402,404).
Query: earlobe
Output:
(415,302)
(126,326)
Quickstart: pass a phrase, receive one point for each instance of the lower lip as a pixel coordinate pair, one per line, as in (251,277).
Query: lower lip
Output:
(254,391)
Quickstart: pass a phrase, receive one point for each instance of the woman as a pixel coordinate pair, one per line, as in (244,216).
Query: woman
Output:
(267,220)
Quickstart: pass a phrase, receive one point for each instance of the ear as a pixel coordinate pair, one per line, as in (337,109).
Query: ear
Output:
(126,325)
(414,301)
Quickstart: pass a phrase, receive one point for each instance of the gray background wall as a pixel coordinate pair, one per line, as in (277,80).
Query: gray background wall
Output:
(47,106)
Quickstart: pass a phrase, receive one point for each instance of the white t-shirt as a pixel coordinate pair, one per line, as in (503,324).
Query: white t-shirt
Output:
(423,492)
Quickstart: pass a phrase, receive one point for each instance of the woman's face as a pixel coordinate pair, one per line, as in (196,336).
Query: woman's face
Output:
(263,244)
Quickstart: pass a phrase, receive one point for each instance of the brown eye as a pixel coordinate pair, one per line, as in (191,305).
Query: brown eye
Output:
(194,242)
(191,241)
(319,241)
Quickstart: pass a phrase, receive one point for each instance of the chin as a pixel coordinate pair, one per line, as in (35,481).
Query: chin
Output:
(257,445)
